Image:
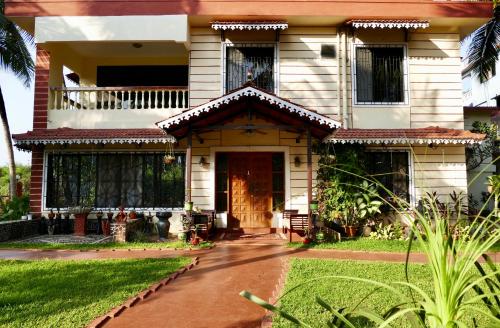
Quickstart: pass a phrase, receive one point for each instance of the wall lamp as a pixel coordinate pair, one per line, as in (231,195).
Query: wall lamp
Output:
(203,161)
(297,161)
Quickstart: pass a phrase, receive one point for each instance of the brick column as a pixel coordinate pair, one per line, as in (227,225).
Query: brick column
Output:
(36,180)
(41,89)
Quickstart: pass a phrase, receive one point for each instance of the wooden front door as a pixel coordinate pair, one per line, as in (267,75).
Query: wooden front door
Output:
(250,190)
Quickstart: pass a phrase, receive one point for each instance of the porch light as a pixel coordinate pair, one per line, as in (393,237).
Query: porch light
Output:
(297,161)
(203,161)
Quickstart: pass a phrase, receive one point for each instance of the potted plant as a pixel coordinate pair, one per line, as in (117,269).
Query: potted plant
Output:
(168,159)
(307,236)
(132,215)
(65,223)
(80,213)
(50,223)
(106,223)
(367,205)
(99,216)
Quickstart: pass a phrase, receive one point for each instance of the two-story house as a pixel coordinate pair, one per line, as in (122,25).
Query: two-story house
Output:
(151,104)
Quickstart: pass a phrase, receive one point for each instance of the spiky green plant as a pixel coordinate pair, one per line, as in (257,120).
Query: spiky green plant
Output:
(461,283)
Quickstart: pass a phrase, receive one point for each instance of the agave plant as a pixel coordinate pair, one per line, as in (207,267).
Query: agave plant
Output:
(466,282)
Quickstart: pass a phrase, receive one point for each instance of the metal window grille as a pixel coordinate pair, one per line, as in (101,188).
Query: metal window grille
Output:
(254,63)
(380,75)
(392,170)
(110,180)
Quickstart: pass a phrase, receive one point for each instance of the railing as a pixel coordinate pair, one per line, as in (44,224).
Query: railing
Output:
(118,98)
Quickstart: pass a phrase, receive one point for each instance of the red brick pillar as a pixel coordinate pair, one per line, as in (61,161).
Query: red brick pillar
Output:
(41,100)
(36,181)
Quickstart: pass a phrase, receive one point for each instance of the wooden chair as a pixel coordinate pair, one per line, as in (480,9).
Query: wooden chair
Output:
(298,224)
(286,219)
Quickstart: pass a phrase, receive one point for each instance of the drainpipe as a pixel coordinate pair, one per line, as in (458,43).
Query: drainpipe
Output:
(345,123)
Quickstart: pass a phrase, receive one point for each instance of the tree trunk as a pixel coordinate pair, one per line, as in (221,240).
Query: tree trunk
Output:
(10,149)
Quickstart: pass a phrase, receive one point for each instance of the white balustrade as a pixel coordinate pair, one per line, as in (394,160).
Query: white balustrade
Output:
(118,98)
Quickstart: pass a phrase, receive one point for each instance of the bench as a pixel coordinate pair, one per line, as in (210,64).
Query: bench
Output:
(298,224)
(204,223)
(286,219)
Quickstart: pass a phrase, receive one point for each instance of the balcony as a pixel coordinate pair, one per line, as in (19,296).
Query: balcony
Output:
(114,107)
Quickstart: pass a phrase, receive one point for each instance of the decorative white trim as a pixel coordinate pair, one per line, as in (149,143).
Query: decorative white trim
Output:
(401,140)
(389,24)
(235,26)
(249,91)
(88,141)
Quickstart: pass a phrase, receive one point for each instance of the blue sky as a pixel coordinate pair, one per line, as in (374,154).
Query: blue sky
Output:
(19,103)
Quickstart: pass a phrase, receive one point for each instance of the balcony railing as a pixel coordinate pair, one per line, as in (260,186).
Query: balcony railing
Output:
(118,98)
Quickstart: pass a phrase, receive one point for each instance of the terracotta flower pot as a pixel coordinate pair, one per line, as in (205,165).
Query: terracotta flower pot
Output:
(306,240)
(80,224)
(351,231)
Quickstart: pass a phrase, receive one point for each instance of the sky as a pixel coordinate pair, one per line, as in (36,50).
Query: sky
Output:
(19,104)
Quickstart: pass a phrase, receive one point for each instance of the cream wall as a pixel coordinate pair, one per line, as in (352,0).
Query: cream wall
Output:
(112,28)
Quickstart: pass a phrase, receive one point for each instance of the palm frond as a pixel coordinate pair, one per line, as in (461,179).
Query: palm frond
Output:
(14,53)
(484,47)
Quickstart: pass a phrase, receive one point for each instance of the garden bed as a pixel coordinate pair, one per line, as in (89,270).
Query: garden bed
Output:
(369,245)
(339,293)
(111,245)
(58,293)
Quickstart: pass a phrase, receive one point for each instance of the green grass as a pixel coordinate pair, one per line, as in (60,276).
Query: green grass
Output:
(60,293)
(371,245)
(340,293)
(59,246)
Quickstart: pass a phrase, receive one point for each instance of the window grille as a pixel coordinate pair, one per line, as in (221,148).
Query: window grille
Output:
(392,170)
(380,75)
(250,62)
(110,180)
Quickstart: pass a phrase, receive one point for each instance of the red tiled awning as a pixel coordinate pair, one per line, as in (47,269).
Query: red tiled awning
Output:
(90,136)
(388,23)
(429,135)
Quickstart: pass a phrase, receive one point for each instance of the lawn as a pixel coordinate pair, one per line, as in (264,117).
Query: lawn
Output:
(340,293)
(57,293)
(48,246)
(367,244)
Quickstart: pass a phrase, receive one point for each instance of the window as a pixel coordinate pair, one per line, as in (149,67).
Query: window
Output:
(250,62)
(391,169)
(380,75)
(109,180)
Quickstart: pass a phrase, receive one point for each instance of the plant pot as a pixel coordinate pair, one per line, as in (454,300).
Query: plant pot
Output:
(306,240)
(195,241)
(313,205)
(163,225)
(320,236)
(50,227)
(168,159)
(132,215)
(80,224)
(188,206)
(351,231)
(106,227)
(367,230)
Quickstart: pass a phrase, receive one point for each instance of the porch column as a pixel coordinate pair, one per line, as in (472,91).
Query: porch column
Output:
(189,155)
(309,177)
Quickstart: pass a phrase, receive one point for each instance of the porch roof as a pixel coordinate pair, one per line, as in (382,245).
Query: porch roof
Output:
(89,136)
(428,135)
(388,23)
(249,99)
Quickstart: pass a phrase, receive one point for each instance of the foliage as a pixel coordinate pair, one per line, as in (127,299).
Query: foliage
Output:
(483,50)
(24,172)
(60,293)
(15,208)
(388,232)
(476,154)
(462,286)
(367,203)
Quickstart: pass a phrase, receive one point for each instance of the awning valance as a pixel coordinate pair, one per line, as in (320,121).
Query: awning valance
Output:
(70,136)
(240,26)
(388,23)
(424,136)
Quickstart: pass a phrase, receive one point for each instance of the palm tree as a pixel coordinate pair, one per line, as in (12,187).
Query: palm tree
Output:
(14,56)
(485,44)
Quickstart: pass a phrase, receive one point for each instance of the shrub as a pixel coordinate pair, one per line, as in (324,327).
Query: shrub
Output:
(14,209)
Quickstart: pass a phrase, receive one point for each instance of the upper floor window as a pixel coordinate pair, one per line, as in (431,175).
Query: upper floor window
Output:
(250,62)
(380,75)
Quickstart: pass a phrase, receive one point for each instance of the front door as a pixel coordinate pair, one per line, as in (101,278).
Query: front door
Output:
(250,178)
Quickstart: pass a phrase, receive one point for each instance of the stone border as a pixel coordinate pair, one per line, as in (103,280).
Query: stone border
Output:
(117,311)
(267,319)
